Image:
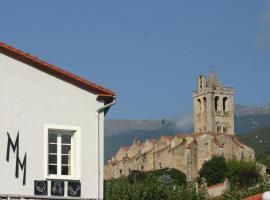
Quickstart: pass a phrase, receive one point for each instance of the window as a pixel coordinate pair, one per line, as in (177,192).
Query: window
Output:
(216,103)
(218,128)
(199,104)
(204,104)
(62,152)
(225,104)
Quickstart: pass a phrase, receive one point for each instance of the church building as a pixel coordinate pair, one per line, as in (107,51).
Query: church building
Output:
(213,136)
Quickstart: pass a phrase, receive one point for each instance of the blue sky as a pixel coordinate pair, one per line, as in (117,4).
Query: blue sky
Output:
(149,52)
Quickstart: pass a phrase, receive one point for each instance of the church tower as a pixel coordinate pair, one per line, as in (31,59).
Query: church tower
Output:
(213,106)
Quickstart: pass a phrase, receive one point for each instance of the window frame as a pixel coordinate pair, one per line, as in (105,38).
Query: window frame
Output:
(75,152)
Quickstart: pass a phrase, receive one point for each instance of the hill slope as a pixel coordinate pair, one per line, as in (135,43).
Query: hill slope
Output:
(259,140)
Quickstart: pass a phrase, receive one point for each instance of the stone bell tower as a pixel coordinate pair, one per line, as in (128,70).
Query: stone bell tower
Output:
(213,106)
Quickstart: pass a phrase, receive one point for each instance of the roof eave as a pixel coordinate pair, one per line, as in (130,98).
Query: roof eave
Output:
(105,94)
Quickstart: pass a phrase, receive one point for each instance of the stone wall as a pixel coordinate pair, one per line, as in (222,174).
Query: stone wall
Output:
(186,153)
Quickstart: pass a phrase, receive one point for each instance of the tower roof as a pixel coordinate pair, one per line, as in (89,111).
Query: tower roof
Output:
(213,81)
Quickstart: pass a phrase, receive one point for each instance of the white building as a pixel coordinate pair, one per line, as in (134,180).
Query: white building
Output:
(51,130)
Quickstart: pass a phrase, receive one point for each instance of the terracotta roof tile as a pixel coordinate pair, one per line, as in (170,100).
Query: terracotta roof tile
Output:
(179,135)
(217,143)
(236,141)
(190,144)
(153,141)
(124,148)
(103,94)
(217,185)
(169,138)
(254,197)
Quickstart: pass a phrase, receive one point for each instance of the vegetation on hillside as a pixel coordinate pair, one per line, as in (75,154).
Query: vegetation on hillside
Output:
(260,141)
(250,123)
(241,173)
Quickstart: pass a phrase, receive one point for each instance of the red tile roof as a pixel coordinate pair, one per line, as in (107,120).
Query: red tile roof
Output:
(168,138)
(217,185)
(179,135)
(190,144)
(255,197)
(124,148)
(236,141)
(217,143)
(103,94)
(153,141)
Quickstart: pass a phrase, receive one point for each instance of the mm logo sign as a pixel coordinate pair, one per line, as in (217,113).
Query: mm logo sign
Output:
(15,148)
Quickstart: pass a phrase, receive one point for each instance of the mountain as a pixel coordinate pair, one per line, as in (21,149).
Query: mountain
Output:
(249,123)
(244,116)
(260,141)
(122,132)
(117,126)
(240,110)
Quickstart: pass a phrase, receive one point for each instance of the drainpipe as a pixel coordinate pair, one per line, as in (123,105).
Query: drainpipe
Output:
(101,148)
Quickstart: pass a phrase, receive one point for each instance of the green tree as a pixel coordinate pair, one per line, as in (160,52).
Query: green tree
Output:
(242,173)
(265,159)
(136,176)
(214,170)
(170,176)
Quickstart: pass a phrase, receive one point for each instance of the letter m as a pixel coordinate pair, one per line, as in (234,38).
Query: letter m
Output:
(15,149)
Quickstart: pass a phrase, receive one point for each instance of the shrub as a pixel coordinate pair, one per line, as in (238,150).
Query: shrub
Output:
(265,159)
(149,189)
(170,176)
(214,171)
(136,176)
(237,193)
(242,173)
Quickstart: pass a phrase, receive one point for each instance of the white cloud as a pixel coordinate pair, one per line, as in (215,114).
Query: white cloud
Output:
(184,123)
(262,41)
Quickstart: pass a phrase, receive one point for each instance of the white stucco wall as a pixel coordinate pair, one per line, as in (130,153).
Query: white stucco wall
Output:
(29,99)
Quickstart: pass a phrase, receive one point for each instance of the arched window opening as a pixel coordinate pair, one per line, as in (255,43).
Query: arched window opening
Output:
(218,128)
(141,167)
(225,129)
(225,104)
(200,82)
(160,167)
(204,103)
(120,171)
(216,102)
(199,104)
